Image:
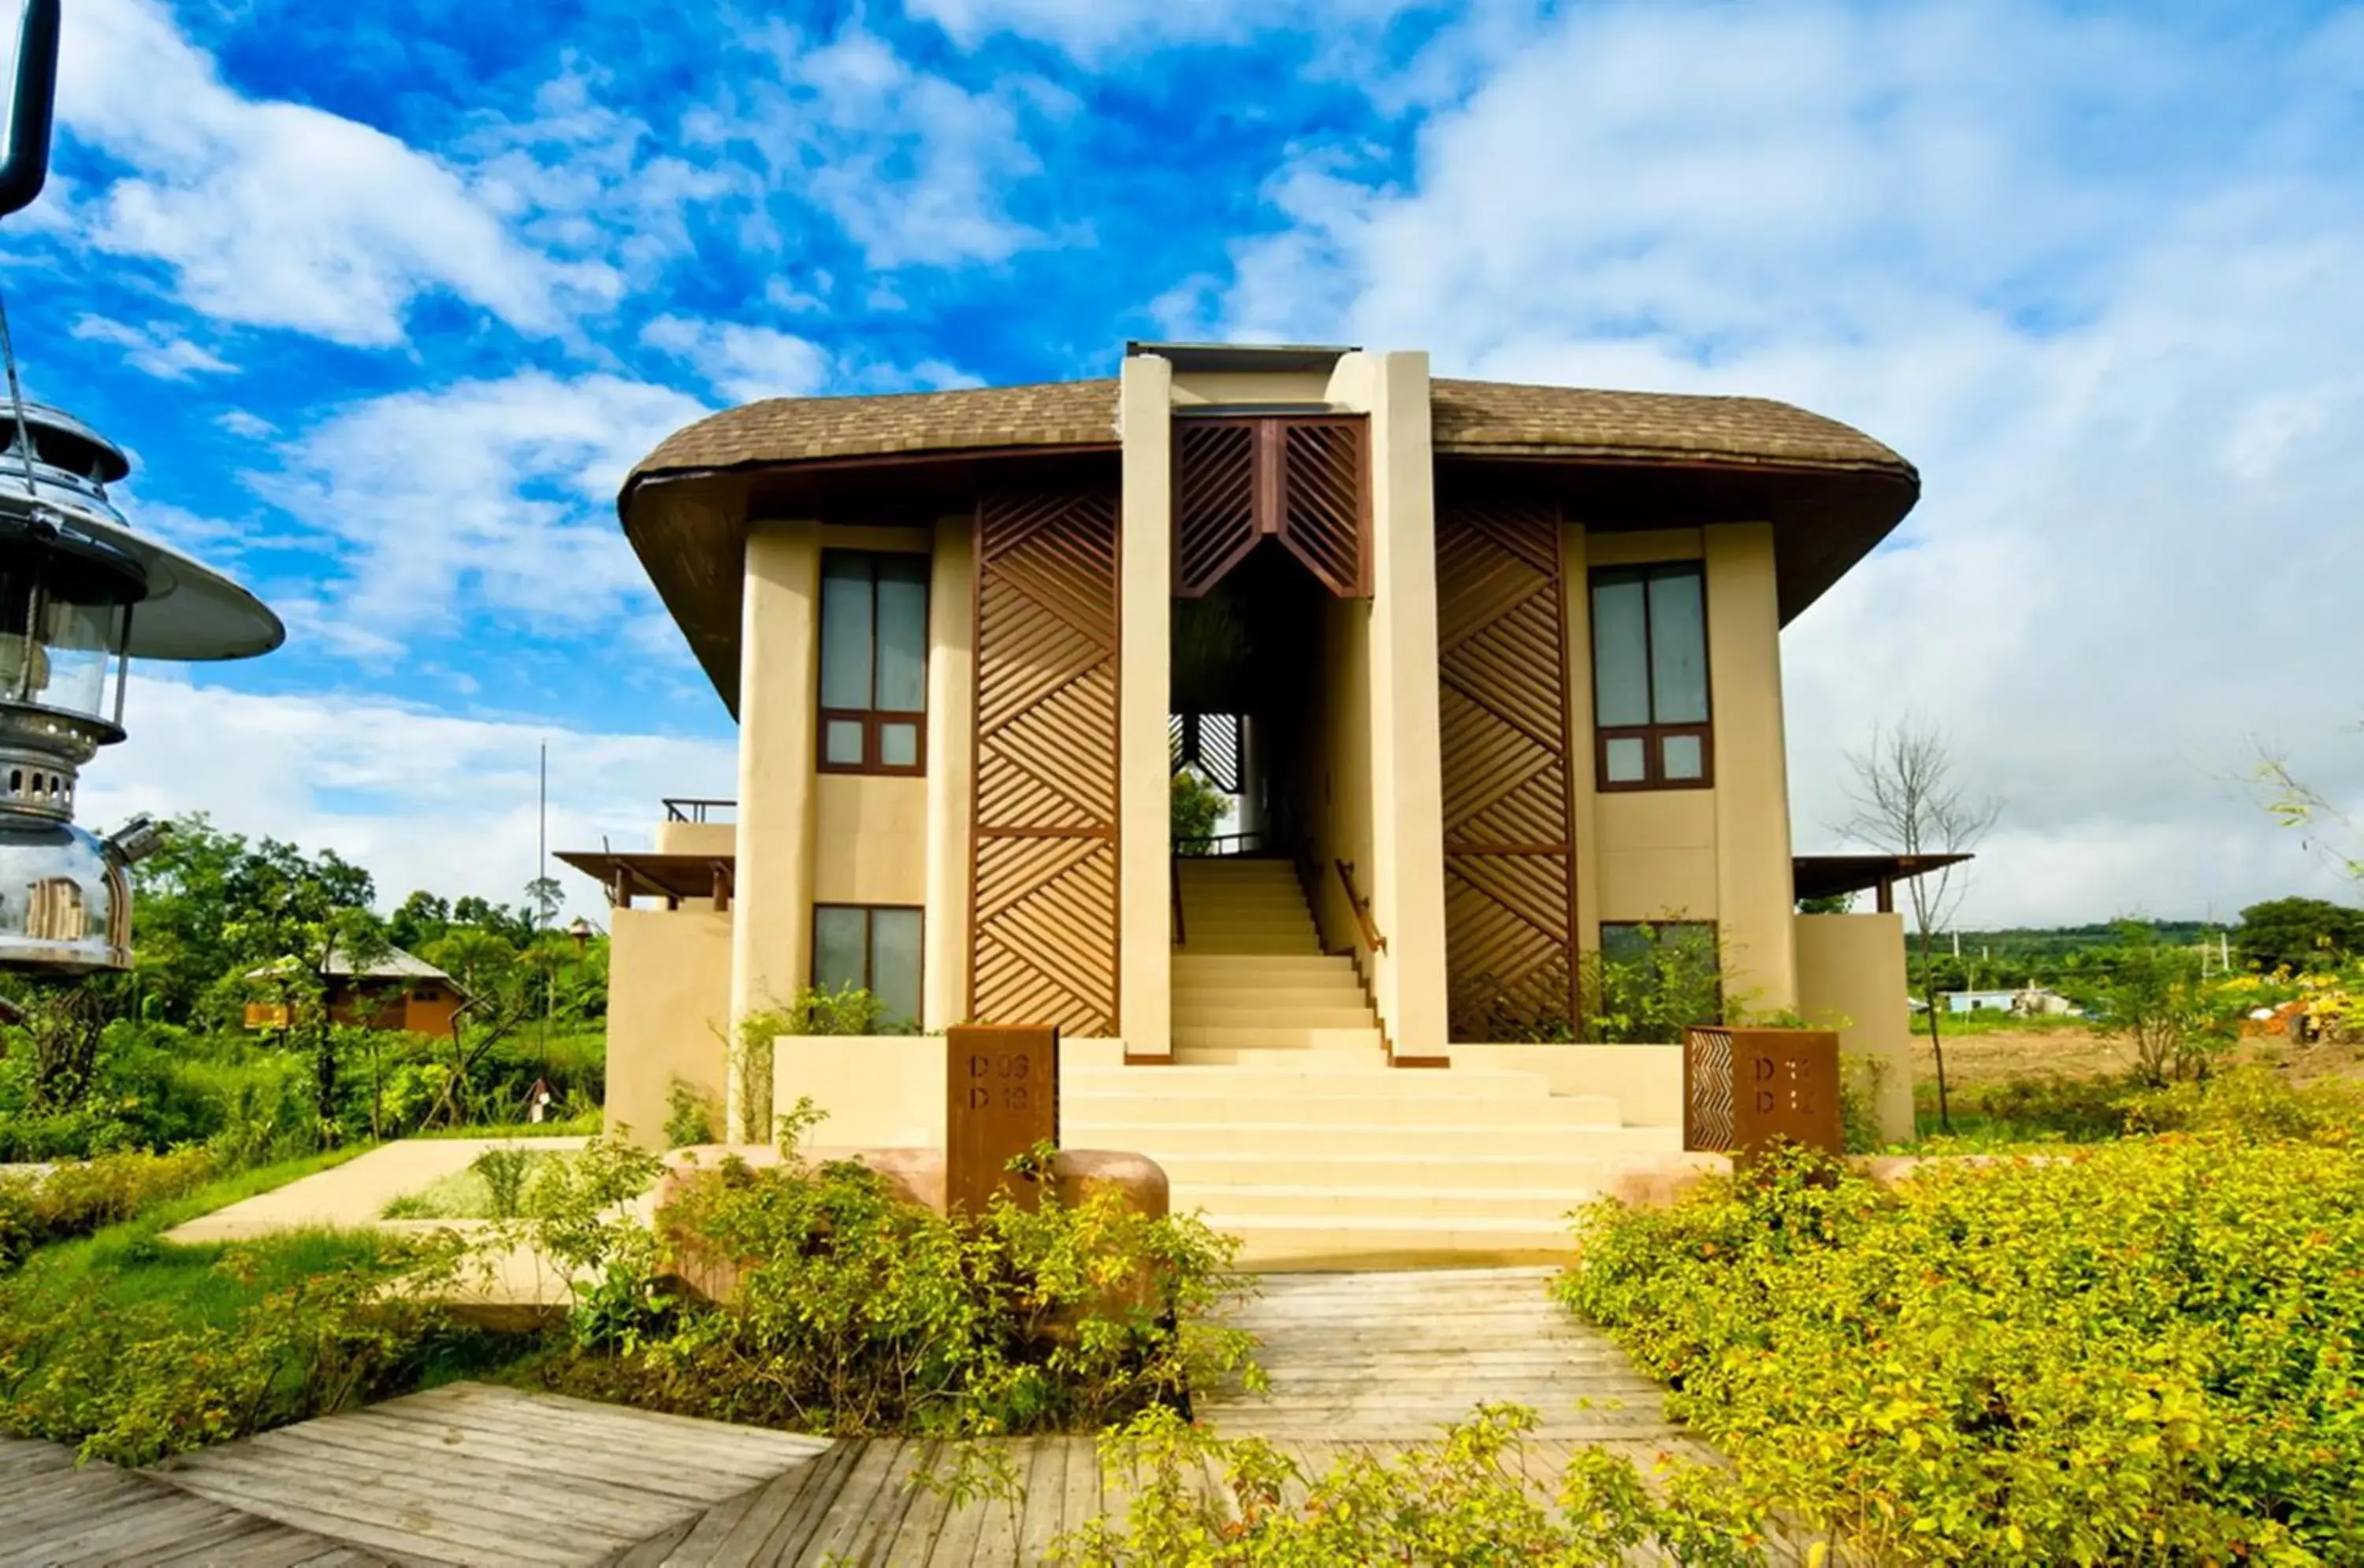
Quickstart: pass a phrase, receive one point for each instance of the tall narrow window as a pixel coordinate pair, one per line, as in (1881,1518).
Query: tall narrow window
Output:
(874,658)
(874,948)
(1649,678)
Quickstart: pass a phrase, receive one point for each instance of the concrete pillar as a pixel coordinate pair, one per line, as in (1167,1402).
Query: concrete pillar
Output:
(771,925)
(952,772)
(1754,902)
(1405,878)
(1144,688)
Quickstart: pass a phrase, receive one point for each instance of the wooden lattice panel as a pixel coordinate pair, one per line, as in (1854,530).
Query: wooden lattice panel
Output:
(1214,743)
(1045,812)
(1303,479)
(1508,854)
(1215,509)
(1708,1121)
(1324,501)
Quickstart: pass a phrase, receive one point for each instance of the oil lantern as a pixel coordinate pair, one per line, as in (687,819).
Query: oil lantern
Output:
(80,595)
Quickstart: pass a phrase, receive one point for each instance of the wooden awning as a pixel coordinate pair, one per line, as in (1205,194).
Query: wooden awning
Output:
(634,874)
(1825,876)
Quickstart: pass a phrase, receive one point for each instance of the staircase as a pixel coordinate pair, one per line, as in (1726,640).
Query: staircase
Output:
(1282,1120)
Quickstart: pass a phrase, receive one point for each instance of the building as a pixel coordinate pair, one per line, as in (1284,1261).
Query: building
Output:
(400,991)
(1495,668)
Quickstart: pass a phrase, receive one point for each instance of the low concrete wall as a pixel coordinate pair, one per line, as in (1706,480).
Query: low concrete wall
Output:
(668,1011)
(1851,977)
(1646,1081)
(887,1091)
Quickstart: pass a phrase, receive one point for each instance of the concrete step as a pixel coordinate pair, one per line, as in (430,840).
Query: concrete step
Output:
(1542,1206)
(1295,1075)
(1319,1057)
(1430,1149)
(1404,1108)
(1263,1039)
(1280,969)
(1340,992)
(1592,1160)
(1345,1241)
(1250,944)
(1257,1016)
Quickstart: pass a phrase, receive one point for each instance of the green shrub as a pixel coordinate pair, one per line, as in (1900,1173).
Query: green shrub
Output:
(2142,1351)
(689,1115)
(856,1310)
(77,1198)
(2044,1107)
(503,1172)
(2253,1102)
(131,1376)
(1466,1498)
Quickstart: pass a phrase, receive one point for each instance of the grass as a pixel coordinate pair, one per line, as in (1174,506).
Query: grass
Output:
(583,1126)
(463,1195)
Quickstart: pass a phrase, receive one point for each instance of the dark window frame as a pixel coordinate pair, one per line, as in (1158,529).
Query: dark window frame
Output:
(1654,735)
(873,720)
(869,947)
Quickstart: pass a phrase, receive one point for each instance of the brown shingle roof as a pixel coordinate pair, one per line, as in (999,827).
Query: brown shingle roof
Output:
(1475,417)
(801,429)
(1472,418)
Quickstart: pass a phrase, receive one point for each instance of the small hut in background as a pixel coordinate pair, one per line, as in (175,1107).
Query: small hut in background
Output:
(400,991)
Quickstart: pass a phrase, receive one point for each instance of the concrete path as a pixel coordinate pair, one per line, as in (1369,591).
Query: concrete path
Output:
(1393,1357)
(352,1196)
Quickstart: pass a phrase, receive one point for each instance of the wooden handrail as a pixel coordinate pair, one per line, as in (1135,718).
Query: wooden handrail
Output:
(1361,907)
(1181,934)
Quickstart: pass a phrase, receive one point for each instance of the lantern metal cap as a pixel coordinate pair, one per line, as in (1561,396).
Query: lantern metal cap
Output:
(187,610)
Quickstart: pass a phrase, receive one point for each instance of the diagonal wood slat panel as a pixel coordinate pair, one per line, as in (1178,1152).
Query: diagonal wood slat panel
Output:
(1044,882)
(1510,918)
(1214,500)
(1324,502)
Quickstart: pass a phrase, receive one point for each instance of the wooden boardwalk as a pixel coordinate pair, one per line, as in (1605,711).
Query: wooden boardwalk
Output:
(1394,1357)
(475,1474)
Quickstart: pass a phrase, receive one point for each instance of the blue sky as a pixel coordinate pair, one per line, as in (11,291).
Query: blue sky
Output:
(387,298)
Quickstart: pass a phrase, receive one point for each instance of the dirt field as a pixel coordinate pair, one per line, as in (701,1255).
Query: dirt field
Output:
(1989,1055)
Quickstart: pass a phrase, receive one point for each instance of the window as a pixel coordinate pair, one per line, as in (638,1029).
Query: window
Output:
(1657,978)
(1649,678)
(875,946)
(873,657)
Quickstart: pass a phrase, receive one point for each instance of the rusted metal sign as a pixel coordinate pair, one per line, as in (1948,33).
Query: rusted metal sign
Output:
(1746,1089)
(1002,1098)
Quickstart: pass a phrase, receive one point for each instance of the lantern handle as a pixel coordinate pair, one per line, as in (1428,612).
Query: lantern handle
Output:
(27,168)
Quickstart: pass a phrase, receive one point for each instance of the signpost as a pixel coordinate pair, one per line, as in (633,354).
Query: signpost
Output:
(1002,1097)
(1746,1089)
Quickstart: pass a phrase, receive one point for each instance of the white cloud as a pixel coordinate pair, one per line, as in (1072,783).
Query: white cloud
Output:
(153,350)
(328,770)
(2129,379)
(913,165)
(1092,29)
(745,362)
(246,423)
(742,362)
(276,213)
(491,494)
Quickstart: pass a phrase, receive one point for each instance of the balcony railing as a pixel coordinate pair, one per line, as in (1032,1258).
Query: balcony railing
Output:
(688,808)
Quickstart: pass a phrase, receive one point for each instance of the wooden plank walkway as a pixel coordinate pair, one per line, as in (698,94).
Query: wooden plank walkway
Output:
(54,1512)
(1395,1356)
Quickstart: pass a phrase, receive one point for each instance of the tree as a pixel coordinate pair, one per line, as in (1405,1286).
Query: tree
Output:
(2158,998)
(2298,934)
(1198,806)
(1907,803)
(422,918)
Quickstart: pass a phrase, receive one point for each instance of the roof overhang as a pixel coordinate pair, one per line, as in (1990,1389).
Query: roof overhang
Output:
(1827,876)
(1219,359)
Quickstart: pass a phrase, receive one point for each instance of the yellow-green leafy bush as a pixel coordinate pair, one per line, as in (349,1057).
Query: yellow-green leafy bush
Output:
(79,1197)
(856,1310)
(1475,1494)
(2142,1352)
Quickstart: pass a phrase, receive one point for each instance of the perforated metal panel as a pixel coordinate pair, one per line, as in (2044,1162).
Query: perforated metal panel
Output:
(1502,704)
(1045,915)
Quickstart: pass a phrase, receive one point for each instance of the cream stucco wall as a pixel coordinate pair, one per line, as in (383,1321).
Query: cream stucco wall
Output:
(1234,388)
(1334,772)
(1851,976)
(952,774)
(1755,900)
(1406,872)
(771,932)
(871,844)
(1145,610)
(1646,1081)
(880,1091)
(698,838)
(1721,853)
(668,1008)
